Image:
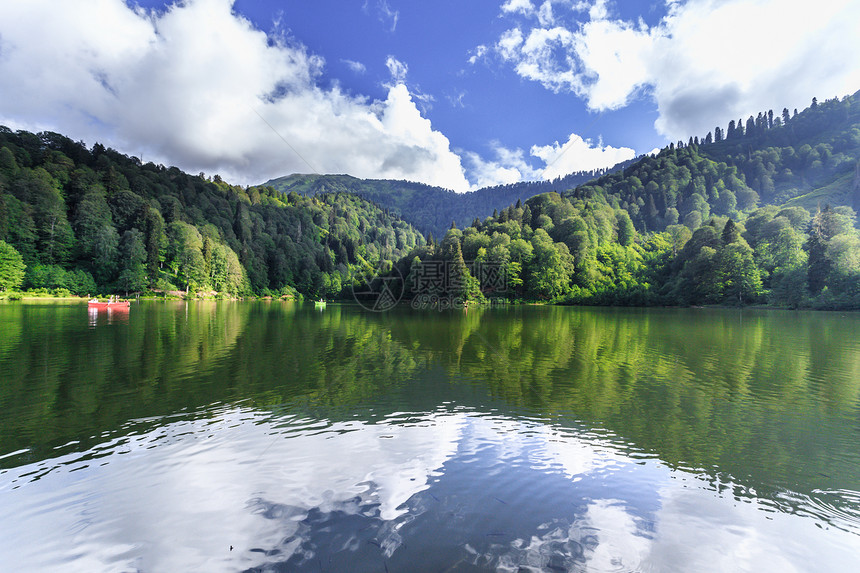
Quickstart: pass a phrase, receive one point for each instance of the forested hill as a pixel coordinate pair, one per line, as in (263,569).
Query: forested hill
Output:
(762,212)
(807,159)
(432,209)
(94,220)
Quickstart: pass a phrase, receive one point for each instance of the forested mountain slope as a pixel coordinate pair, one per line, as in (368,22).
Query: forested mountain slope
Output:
(755,213)
(94,220)
(761,212)
(587,251)
(805,159)
(432,209)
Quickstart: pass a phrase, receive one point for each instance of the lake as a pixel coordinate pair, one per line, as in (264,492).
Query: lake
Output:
(269,436)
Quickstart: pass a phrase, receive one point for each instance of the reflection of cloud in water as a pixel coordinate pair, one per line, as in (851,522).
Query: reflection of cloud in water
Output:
(177,498)
(605,539)
(691,527)
(453,489)
(694,531)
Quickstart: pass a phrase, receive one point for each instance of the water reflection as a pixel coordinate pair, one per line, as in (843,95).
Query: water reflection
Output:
(455,489)
(542,438)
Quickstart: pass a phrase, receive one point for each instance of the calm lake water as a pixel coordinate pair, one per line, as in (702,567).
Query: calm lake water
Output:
(278,437)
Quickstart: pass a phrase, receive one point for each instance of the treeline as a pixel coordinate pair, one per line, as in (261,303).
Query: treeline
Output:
(94,220)
(586,251)
(431,209)
(805,159)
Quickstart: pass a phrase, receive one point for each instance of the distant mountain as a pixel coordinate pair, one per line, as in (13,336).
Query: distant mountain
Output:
(432,209)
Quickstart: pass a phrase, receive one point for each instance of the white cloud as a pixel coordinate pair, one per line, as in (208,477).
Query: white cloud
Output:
(705,63)
(397,69)
(188,86)
(615,56)
(801,52)
(478,53)
(543,13)
(509,166)
(524,7)
(579,154)
(386,14)
(354,66)
(541,56)
(512,165)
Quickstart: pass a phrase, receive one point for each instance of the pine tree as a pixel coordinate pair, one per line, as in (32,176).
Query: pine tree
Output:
(785,116)
(527,215)
(750,131)
(730,233)
(770,119)
(730,132)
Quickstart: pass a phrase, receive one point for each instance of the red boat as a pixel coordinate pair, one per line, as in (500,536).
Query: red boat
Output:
(110,305)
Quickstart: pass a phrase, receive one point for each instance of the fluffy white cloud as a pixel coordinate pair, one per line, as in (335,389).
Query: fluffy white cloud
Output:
(579,155)
(719,60)
(200,87)
(704,63)
(512,165)
(524,7)
(508,166)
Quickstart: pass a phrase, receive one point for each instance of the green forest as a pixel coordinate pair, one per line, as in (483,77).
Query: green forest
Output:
(578,251)
(94,220)
(432,209)
(761,212)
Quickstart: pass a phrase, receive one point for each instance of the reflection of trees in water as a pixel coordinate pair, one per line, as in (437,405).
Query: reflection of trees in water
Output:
(327,360)
(769,393)
(63,380)
(702,388)
(66,381)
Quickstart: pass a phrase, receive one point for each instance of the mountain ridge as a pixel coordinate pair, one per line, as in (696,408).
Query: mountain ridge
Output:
(432,209)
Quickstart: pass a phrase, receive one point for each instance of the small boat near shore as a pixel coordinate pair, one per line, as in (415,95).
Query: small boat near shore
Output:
(109,305)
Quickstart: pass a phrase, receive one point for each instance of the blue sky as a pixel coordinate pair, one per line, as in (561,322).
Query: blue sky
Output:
(460,94)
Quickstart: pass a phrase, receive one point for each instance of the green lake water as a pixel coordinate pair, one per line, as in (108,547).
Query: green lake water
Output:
(281,437)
